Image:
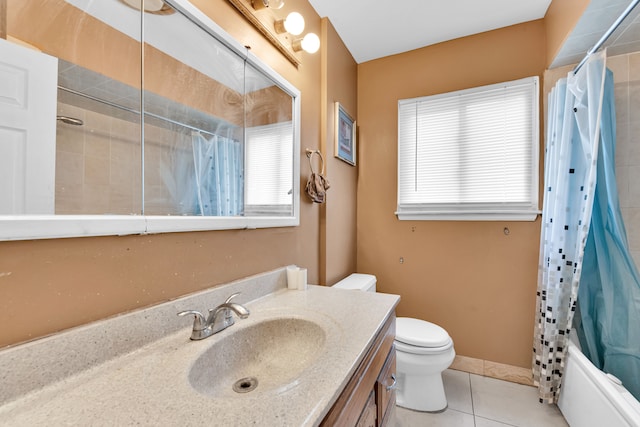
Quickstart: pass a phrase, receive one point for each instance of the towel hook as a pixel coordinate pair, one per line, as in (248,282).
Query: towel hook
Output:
(310,154)
(317,185)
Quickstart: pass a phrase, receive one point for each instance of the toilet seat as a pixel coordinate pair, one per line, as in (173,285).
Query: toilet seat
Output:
(413,349)
(420,333)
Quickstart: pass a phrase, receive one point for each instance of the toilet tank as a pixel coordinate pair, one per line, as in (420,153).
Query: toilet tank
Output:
(358,281)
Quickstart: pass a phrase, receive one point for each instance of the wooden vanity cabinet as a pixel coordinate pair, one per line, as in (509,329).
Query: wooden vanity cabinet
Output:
(386,390)
(369,414)
(369,398)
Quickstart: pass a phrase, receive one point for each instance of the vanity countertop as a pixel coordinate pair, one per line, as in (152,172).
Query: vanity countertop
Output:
(150,385)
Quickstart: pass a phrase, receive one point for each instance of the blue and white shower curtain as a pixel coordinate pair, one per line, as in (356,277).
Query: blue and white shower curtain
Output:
(219,175)
(572,140)
(608,316)
(585,265)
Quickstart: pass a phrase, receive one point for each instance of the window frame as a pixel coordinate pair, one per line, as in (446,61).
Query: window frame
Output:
(466,211)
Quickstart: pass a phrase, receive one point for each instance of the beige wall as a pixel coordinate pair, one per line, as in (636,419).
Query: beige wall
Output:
(468,277)
(338,216)
(3,19)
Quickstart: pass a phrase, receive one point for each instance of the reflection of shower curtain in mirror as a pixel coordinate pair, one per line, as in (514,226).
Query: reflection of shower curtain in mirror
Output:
(219,177)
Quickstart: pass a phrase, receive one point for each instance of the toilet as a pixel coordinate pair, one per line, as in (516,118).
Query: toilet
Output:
(423,351)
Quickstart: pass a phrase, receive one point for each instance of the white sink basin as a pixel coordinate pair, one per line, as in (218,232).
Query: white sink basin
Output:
(268,356)
(302,346)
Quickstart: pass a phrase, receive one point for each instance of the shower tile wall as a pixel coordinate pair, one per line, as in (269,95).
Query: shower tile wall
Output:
(98,164)
(626,71)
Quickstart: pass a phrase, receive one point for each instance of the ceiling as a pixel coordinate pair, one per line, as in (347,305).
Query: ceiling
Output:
(370,33)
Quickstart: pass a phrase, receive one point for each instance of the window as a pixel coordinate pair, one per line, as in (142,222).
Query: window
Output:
(268,147)
(471,154)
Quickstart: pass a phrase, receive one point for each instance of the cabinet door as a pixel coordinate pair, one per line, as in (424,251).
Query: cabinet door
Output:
(348,409)
(368,416)
(386,389)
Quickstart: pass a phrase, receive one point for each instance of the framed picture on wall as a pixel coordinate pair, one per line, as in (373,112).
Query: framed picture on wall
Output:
(345,136)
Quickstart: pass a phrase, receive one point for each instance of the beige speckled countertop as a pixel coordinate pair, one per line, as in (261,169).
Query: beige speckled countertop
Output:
(150,385)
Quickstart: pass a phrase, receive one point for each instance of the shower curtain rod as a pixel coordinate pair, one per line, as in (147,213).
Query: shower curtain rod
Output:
(608,33)
(134,111)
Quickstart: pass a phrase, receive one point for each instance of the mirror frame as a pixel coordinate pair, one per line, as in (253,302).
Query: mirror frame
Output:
(27,227)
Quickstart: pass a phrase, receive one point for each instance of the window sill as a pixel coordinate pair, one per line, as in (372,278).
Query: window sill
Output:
(467,216)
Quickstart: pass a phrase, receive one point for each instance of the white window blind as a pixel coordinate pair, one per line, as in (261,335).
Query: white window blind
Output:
(269,169)
(470,154)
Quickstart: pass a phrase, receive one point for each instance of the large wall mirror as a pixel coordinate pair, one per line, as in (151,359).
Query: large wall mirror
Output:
(119,121)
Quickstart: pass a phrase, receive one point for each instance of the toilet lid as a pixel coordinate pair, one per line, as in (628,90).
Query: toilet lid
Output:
(420,333)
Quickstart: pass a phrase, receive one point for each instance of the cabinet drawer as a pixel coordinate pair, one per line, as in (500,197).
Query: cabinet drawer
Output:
(386,388)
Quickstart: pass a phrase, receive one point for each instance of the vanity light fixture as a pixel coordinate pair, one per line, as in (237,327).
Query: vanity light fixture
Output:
(310,43)
(292,24)
(262,14)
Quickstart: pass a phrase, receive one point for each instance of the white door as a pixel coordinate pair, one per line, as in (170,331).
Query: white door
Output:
(28,90)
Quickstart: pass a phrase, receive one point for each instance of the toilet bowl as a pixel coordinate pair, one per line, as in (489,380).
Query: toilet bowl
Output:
(423,351)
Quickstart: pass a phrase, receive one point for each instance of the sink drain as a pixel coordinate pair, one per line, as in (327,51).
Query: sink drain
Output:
(245,385)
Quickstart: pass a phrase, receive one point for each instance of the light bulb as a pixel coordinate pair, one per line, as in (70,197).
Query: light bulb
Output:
(310,43)
(293,24)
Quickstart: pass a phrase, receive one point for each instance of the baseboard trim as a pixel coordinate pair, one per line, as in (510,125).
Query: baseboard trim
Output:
(486,368)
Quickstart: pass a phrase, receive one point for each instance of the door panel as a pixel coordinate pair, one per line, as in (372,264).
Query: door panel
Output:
(28,83)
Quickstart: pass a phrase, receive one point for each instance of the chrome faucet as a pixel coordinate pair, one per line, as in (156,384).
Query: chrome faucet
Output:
(219,318)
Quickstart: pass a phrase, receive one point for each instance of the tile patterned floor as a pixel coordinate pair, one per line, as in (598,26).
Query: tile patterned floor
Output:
(476,401)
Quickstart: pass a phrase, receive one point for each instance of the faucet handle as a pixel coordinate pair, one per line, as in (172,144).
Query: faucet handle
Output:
(199,322)
(232,297)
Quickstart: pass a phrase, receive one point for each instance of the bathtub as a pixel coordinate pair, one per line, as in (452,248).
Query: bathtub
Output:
(590,397)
